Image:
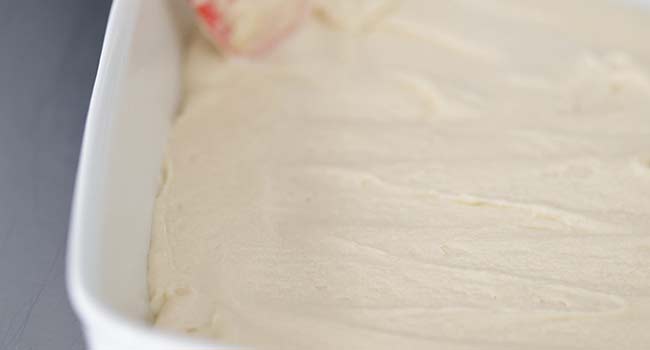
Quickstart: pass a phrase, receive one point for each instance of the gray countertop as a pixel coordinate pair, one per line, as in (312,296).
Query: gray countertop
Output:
(48,58)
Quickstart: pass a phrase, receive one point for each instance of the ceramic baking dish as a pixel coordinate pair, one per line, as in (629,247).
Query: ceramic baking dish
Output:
(135,97)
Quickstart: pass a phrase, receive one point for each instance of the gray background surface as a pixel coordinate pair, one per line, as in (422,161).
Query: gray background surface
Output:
(48,58)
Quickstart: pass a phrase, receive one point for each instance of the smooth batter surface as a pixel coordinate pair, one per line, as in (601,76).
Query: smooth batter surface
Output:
(469,174)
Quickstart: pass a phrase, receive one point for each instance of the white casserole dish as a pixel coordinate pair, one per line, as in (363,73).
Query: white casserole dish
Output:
(135,97)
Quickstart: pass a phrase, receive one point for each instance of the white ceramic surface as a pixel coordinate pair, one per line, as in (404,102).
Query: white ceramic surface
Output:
(134,99)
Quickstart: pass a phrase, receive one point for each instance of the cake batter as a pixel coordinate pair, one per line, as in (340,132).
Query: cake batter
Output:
(415,175)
